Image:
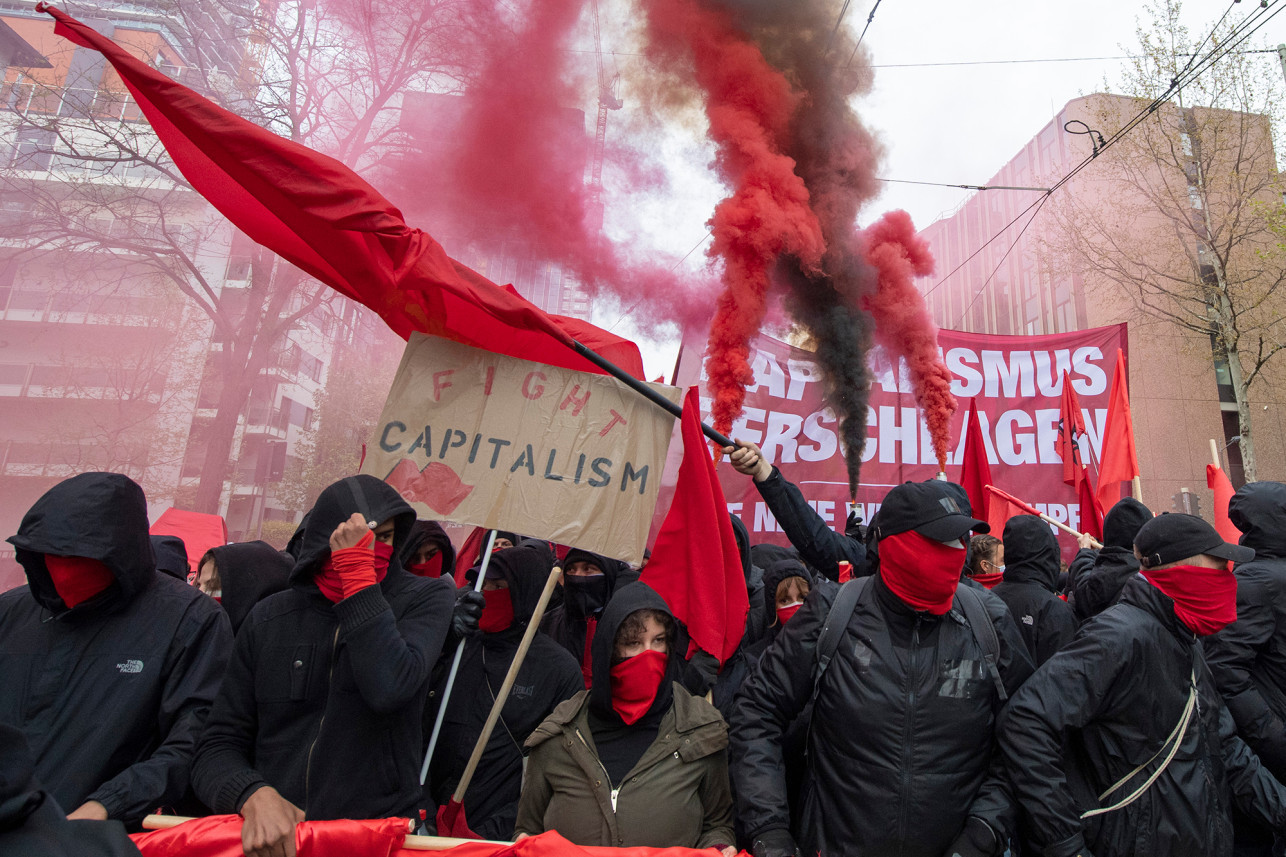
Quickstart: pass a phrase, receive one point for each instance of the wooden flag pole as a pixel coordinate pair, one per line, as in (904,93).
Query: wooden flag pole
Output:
(1214,454)
(1136,488)
(510,677)
(411,843)
(1032,510)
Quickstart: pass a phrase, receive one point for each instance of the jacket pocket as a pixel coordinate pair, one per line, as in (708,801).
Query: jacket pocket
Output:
(284,673)
(962,678)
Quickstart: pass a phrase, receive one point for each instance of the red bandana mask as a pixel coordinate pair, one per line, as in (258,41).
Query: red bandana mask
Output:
(498,615)
(789,610)
(922,572)
(431,567)
(76,578)
(635,683)
(989,580)
(350,570)
(1205,599)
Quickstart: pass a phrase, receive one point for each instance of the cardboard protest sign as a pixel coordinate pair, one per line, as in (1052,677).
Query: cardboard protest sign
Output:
(480,438)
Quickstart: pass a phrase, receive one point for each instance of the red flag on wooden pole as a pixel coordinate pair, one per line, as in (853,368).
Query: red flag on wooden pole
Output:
(695,565)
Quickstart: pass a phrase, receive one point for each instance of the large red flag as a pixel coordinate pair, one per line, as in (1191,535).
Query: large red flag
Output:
(1219,483)
(322,217)
(975,469)
(1071,423)
(1119,461)
(695,565)
(1002,506)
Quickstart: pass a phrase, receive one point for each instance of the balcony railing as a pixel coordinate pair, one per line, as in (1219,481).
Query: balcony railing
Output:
(27,97)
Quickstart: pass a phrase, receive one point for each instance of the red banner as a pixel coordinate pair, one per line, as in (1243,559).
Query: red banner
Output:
(1017,380)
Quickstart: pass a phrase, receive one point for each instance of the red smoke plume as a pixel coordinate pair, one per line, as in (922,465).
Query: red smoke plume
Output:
(902,322)
(749,106)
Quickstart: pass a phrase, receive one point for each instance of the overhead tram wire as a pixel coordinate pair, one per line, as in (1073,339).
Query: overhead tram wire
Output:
(869,19)
(1039,205)
(674,267)
(1190,72)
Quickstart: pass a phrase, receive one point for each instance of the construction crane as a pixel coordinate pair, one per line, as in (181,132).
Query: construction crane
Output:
(607,100)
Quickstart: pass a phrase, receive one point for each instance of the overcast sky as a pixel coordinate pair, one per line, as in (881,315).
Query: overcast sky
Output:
(952,124)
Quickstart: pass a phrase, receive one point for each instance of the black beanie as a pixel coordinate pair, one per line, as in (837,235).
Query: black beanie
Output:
(1123,522)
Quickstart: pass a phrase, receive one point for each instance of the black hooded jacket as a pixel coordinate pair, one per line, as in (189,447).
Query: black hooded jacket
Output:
(32,824)
(1116,692)
(901,744)
(111,694)
(1248,658)
(548,676)
(567,622)
(1030,587)
(248,573)
(429,531)
(171,556)
(1098,576)
(323,701)
(818,545)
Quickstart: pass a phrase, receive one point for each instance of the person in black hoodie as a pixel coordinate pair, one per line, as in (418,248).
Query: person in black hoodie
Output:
(428,551)
(589,580)
(248,572)
(548,675)
(1098,576)
(32,824)
(1030,587)
(171,556)
(320,713)
(108,667)
(1248,658)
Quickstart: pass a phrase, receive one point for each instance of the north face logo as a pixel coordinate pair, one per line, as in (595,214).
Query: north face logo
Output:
(130,666)
(1028,620)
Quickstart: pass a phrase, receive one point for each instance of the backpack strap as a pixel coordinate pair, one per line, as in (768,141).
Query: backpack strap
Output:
(833,628)
(984,631)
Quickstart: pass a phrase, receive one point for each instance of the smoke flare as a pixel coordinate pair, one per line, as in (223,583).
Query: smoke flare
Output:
(903,325)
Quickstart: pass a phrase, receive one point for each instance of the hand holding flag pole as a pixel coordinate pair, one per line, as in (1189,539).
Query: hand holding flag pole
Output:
(1029,509)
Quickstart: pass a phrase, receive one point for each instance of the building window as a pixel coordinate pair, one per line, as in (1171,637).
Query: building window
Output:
(33,149)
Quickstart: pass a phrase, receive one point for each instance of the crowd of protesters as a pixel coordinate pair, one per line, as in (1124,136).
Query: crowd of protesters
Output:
(960,694)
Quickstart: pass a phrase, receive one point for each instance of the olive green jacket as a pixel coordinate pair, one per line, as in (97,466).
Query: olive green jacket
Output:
(677,794)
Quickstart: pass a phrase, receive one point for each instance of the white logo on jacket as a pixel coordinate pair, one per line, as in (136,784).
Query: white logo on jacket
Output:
(1028,620)
(130,666)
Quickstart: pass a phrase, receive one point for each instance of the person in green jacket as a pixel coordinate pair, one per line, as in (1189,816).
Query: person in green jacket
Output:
(636,760)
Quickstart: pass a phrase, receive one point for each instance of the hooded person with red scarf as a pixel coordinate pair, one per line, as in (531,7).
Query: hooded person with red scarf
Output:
(547,677)
(108,667)
(319,715)
(1159,764)
(635,760)
(901,755)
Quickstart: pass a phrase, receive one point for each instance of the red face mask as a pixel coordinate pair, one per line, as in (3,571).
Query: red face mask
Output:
(498,615)
(989,580)
(922,572)
(1205,599)
(635,683)
(784,613)
(431,567)
(76,578)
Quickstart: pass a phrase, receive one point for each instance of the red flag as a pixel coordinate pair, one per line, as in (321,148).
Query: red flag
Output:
(1218,482)
(1119,461)
(322,217)
(220,836)
(975,470)
(200,531)
(1070,424)
(1091,511)
(695,565)
(1002,506)
(451,821)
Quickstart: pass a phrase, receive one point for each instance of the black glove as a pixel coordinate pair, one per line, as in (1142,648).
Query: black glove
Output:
(976,840)
(775,843)
(467,612)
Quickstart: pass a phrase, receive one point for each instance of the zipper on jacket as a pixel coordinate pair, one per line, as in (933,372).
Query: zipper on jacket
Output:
(330,673)
(910,720)
(614,791)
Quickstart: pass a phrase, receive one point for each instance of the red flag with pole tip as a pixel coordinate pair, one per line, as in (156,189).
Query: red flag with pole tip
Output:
(1218,482)
(1120,460)
(695,564)
(1002,506)
(323,218)
(1071,423)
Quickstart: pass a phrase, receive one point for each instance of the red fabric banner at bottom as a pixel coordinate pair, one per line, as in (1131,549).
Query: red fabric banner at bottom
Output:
(220,836)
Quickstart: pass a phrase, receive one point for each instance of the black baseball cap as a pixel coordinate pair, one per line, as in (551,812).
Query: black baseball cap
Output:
(1171,536)
(931,508)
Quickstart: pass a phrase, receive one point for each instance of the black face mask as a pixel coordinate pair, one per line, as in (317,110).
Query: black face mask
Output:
(585,596)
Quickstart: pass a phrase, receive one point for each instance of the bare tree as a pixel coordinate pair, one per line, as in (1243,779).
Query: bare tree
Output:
(1193,237)
(87,176)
